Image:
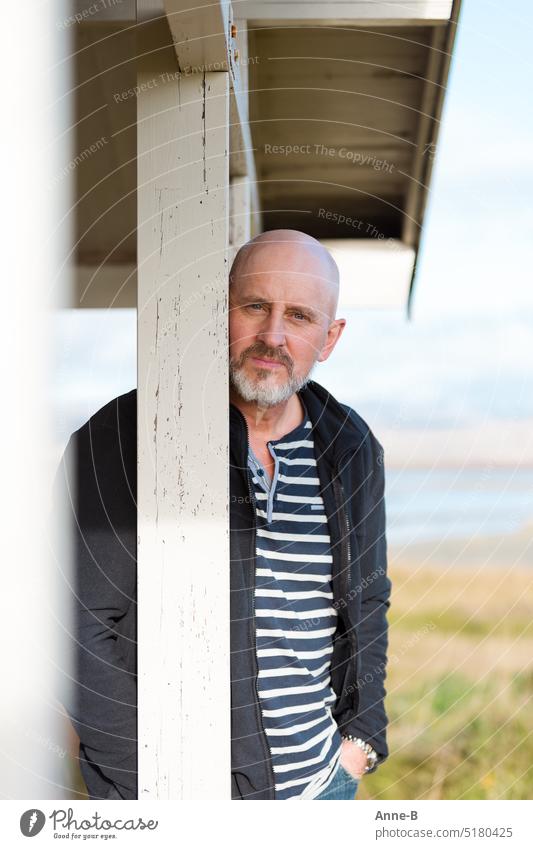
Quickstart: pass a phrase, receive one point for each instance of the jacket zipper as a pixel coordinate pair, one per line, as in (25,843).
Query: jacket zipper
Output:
(348,571)
(259,714)
(348,541)
(345,573)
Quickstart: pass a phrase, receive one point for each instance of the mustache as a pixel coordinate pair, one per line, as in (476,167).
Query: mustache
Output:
(267,354)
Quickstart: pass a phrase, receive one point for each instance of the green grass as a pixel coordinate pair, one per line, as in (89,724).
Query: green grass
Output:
(449,622)
(459,698)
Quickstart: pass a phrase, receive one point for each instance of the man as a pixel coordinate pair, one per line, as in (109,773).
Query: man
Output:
(309,585)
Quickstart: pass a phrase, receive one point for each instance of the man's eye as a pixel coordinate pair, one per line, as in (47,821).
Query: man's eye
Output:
(300,315)
(251,306)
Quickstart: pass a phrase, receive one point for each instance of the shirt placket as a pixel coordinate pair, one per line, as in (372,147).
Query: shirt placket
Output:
(270,488)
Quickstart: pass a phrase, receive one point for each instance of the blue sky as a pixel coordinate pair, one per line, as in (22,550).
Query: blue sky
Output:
(466,357)
(478,247)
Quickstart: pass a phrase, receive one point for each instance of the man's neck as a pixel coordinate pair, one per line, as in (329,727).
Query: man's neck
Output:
(266,423)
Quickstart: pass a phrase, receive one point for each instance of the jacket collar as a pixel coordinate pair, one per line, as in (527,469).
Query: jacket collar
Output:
(336,427)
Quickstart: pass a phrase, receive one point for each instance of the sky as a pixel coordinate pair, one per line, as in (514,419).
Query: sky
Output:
(478,247)
(463,365)
(455,383)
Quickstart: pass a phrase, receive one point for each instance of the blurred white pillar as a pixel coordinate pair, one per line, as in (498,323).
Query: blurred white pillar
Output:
(34,149)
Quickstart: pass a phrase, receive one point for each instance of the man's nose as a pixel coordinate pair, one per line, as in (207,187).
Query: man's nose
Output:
(272,331)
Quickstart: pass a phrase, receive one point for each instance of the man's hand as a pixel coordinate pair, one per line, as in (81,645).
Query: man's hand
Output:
(353,759)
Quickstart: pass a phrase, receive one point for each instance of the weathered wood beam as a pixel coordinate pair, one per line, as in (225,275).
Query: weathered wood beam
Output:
(183,482)
(209,38)
(202,35)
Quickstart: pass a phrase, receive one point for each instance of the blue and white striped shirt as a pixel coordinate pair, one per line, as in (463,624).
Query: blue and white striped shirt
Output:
(295,617)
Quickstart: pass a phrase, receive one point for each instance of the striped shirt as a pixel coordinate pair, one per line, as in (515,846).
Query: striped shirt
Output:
(294,617)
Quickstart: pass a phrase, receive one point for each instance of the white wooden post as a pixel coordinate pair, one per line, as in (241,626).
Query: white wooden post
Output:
(183,462)
(240,213)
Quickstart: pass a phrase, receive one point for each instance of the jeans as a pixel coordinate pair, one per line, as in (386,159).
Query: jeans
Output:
(343,786)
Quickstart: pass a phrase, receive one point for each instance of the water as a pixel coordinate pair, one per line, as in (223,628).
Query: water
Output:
(424,505)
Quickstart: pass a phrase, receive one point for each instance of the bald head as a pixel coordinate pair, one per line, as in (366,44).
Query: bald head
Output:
(284,289)
(295,258)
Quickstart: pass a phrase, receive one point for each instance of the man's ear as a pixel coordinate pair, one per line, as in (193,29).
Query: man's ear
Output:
(334,334)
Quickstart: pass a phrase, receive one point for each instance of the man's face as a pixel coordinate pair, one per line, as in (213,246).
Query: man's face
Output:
(278,324)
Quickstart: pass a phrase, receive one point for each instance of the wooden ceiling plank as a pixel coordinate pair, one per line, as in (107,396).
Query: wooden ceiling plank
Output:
(396,12)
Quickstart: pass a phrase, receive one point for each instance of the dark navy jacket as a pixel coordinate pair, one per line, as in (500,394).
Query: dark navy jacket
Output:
(102,704)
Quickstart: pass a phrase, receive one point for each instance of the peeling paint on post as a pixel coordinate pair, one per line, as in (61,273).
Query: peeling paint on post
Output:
(183,479)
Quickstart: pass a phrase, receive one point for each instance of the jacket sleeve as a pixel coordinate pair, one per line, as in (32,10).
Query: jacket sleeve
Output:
(101,694)
(370,721)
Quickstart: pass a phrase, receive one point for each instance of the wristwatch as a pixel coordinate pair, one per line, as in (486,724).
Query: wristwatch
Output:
(371,754)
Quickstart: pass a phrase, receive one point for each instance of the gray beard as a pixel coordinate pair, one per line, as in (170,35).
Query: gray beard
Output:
(262,391)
